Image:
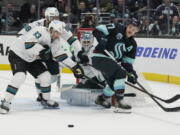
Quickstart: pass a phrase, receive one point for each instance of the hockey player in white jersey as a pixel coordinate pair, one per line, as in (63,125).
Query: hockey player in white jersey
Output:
(52,13)
(62,54)
(23,56)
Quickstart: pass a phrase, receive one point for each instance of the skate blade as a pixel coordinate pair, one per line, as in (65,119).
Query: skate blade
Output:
(2,111)
(51,108)
(120,110)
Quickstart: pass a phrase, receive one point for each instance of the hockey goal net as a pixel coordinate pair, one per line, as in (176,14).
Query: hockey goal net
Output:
(140,98)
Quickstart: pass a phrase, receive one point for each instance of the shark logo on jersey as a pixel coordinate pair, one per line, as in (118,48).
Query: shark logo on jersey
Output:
(119,36)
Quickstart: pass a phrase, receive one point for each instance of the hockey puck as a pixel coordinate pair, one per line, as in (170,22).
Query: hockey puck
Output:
(70,125)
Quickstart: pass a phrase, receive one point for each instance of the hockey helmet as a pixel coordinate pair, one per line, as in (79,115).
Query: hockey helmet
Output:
(51,13)
(133,22)
(56,25)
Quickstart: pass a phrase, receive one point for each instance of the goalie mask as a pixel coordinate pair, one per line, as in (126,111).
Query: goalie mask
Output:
(51,13)
(86,41)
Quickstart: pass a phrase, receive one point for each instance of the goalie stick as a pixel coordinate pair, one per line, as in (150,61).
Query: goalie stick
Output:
(174,109)
(170,100)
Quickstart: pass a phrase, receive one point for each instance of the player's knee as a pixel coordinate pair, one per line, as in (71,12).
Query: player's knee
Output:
(18,79)
(45,79)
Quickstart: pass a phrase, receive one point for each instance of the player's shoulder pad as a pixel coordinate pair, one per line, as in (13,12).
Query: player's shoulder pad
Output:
(41,29)
(103,29)
(39,22)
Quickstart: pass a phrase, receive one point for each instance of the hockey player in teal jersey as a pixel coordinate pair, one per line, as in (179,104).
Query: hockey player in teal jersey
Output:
(118,41)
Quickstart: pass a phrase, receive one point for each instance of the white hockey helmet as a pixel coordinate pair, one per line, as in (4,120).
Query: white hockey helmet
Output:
(51,13)
(56,25)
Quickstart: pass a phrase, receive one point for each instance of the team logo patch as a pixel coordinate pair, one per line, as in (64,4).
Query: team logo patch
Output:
(119,36)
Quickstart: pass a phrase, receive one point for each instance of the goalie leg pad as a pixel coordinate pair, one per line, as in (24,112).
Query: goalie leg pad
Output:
(81,97)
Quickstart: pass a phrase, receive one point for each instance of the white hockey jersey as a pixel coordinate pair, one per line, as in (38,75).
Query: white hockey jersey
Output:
(66,34)
(29,45)
(28,27)
(61,52)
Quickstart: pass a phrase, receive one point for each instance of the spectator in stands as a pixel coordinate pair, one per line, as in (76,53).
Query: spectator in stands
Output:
(144,26)
(154,29)
(82,9)
(33,13)
(60,4)
(120,12)
(90,4)
(155,3)
(88,22)
(1,20)
(11,16)
(70,18)
(28,13)
(137,8)
(167,15)
(25,12)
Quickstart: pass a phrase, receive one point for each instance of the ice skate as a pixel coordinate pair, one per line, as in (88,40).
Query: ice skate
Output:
(121,107)
(100,100)
(49,104)
(4,107)
(39,98)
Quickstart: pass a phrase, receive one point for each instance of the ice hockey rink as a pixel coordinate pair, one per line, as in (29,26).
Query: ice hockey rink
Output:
(28,118)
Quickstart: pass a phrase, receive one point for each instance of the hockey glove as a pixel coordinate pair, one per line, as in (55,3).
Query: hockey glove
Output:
(45,54)
(83,57)
(132,77)
(78,71)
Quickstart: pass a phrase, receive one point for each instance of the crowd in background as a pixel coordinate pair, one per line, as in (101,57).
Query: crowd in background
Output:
(157,17)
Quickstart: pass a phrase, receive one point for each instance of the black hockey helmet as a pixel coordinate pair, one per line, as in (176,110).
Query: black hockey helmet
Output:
(134,22)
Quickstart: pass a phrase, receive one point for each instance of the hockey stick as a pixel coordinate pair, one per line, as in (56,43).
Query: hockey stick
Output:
(174,109)
(170,100)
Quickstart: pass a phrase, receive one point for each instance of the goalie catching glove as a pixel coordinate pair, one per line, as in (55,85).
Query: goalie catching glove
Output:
(78,71)
(45,54)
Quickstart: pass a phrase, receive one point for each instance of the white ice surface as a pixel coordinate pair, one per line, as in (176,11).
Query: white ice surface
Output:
(28,118)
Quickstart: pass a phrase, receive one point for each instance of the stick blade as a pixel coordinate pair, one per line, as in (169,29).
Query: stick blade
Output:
(175,109)
(173,99)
